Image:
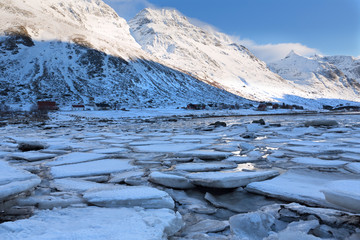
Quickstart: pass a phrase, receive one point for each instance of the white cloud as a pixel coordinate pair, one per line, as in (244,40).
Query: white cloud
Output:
(267,52)
(275,52)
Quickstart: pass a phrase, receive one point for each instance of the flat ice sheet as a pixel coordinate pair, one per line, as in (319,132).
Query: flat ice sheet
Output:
(204,167)
(95,223)
(93,168)
(229,179)
(32,156)
(14,181)
(344,193)
(124,196)
(76,157)
(76,185)
(302,186)
(168,147)
(318,162)
(204,154)
(353,167)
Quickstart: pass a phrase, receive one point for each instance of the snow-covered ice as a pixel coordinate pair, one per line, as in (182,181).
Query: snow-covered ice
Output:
(75,185)
(95,223)
(344,193)
(309,161)
(170,180)
(204,167)
(353,167)
(204,154)
(32,156)
(302,186)
(142,196)
(14,181)
(93,168)
(76,157)
(229,179)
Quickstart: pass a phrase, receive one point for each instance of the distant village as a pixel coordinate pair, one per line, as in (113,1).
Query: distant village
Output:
(263,106)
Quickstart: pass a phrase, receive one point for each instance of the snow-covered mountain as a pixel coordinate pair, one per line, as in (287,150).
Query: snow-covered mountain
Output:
(350,66)
(214,58)
(82,51)
(329,76)
(211,56)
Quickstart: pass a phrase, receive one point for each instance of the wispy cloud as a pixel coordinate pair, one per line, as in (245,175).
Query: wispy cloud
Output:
(128,8)
(266,52)
(274,52)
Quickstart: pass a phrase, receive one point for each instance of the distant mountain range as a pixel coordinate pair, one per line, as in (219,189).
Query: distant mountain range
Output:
(81,51)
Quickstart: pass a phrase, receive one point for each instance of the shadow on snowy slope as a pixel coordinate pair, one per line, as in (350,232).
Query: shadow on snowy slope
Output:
(68,72)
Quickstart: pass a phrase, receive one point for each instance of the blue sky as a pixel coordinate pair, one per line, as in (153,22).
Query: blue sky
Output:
(271,28)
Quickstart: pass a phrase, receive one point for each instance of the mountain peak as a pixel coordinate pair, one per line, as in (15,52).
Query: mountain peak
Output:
(169,17)
(292,53)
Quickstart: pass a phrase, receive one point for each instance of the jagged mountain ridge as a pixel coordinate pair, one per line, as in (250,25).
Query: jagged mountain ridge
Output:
(329,75)
(213,57)
(81,50)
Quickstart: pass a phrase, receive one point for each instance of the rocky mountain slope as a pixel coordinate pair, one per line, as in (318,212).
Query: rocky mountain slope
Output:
(333,76)
(215,58)
(82,51)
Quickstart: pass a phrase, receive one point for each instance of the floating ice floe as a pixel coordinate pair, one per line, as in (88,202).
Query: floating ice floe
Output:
(95,223)
(121,177)
(110,150)
(205,167)
(168,147)
(93,168)
(251,157)
(32,156)
(239,201)
(206,226)
(192,201)
(303,186)
(353,167)
(204,154)
(14,181)
(229,179)
(309,161)
(170,180)
(123,196)
(344,193)
(55,200)
(75,185)
(254,225)
(76,157)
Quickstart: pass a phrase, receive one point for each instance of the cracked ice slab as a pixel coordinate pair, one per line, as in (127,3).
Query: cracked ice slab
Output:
(318,162)
(76,157)
(75,185)
(204,154)
(14,181)
(229,179)
(122,196)
(204,167)
(169,147)
(344,193)
(32,156)
(302,186)
(95,223)
(93,168)
(170,180)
